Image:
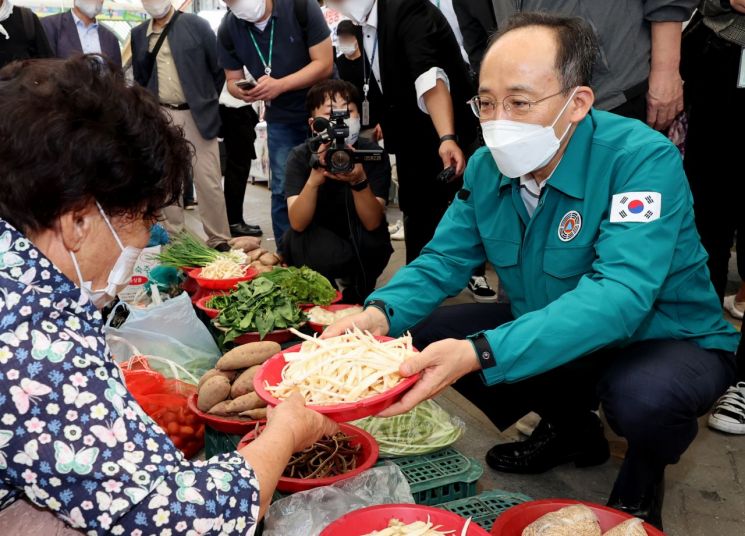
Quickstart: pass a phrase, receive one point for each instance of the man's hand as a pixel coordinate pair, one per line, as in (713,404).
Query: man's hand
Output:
(441,365)
(738,5)
(238,93)
(378,132)
(267,89)
(371,319)
(353,177)
(452,156)
(665,98)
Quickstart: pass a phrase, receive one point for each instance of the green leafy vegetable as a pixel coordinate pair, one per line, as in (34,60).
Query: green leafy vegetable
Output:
(303,285)
(258,305)
(186,250)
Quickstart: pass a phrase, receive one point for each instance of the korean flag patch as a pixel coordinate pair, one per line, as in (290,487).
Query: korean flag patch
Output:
(636,207)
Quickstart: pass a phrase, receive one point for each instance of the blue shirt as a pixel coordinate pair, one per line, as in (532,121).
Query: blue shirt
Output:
(236,49)
(88,35)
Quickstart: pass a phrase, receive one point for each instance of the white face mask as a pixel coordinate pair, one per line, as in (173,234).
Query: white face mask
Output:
(354,130)
(157,9)
(249,10)
(519,148)
(119,276)
(356,10)
(348,48)
(90,8)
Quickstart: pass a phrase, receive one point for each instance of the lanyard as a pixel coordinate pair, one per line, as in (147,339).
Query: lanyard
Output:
(365,76)
(267,65)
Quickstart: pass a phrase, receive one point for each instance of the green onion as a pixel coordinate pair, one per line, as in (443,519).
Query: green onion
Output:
(186,250)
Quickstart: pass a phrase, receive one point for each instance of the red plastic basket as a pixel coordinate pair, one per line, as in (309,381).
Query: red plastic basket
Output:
(306,306)
(513,521)
(367,458)
(318,328)
(271,372)
(373,518)
(222,284)
(221,424)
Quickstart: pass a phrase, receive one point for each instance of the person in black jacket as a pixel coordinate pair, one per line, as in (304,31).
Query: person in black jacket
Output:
(477,24)
(21,34)
(426,122)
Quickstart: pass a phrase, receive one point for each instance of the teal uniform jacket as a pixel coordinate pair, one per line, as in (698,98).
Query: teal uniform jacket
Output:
(610,257)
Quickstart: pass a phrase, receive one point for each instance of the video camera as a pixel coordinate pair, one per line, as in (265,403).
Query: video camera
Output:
(339,158)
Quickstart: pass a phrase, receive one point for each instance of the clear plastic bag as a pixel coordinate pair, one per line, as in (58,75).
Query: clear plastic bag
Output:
(424,429)
(309,512)
(171,330)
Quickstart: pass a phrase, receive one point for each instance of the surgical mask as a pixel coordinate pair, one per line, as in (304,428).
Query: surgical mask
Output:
(249,10)
(119,276)
(157,9)
(356,10)
(520,148)
(348,48)
(90,8)
(354,130)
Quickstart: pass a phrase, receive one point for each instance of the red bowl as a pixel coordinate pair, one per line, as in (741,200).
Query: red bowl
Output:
(271,371)
(221,424)
(318,328)
(279,336)
(513,521)
(366,520)
(222,284)
(306,306)
(365,461)
(202,304)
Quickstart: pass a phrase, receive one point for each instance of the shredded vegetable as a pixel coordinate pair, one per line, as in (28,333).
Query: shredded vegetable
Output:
(342,369)
(224,268)
(319,315)
(418,528)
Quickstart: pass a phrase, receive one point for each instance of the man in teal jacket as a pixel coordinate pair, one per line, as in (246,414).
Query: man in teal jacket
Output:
(588,220)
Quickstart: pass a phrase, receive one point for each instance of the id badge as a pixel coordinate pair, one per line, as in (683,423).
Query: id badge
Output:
(366,112)
(741,75)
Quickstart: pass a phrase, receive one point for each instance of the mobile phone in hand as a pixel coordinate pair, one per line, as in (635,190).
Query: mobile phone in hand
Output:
(246,84)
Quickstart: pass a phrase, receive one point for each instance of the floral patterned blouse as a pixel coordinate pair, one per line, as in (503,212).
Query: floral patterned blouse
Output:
(74,441)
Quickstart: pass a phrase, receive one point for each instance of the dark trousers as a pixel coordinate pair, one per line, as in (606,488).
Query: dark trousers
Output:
(239,134)
(358,259)
(713,153)
(652,392)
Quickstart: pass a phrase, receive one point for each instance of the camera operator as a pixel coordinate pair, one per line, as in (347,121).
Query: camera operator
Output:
(337,220)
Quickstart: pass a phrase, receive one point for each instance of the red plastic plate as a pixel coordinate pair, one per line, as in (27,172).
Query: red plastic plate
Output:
(318,328)
(202,304)
(221,424)
(513,521)
(222,284)
(373,518)
(271,371)
(306,306)
(365,461)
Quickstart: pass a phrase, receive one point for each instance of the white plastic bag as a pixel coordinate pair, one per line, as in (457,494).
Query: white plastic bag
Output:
(170,330)
(309,512)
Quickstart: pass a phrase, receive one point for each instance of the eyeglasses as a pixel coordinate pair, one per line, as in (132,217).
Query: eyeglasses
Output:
(515,105)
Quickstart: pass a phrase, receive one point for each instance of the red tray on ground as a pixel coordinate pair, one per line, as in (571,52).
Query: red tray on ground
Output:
(318,328)
(306,306)
(271,371)
(366,520)
(222,284)
(366,459)
(221,424)
(513,521)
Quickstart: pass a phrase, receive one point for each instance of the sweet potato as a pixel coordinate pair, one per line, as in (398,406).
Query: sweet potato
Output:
(221,408)
(630,527)
(263,269)
(256,254)
(229,374)
(214,390)
(245,403)
(269,259)
(256,414)
(248,355)
(244,383)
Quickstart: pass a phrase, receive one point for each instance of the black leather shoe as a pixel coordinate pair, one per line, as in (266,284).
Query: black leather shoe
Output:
(223,248)
(550,446)
(241,229)
(648,508)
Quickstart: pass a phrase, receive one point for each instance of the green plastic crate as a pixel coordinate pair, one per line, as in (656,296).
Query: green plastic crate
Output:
(218,442)
(445,475)
(485,507)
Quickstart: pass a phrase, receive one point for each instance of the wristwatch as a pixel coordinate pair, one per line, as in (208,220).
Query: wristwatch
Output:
(448,137)
(483,350)
(359,186)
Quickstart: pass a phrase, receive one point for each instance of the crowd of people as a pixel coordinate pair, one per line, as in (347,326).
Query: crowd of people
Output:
(527,135)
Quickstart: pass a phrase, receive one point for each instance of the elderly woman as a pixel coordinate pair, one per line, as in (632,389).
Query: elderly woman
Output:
(86,164)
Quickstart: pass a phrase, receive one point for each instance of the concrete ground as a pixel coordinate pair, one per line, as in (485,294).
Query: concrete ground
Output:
(705,493)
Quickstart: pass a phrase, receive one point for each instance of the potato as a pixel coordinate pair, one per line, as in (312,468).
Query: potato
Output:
(246,243)
(244,383)
(630,527)
(257,414)
(576,520)
(256,254)
(221,408)
(214,390)
(245,403)
(229,374)
(269,259)
(248,355)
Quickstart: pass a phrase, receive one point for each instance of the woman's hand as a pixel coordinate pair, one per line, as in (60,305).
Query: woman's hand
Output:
(371,319)
(305,425)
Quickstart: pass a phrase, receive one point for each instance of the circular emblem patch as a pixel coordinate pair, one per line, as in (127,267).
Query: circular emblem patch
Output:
(570,226)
